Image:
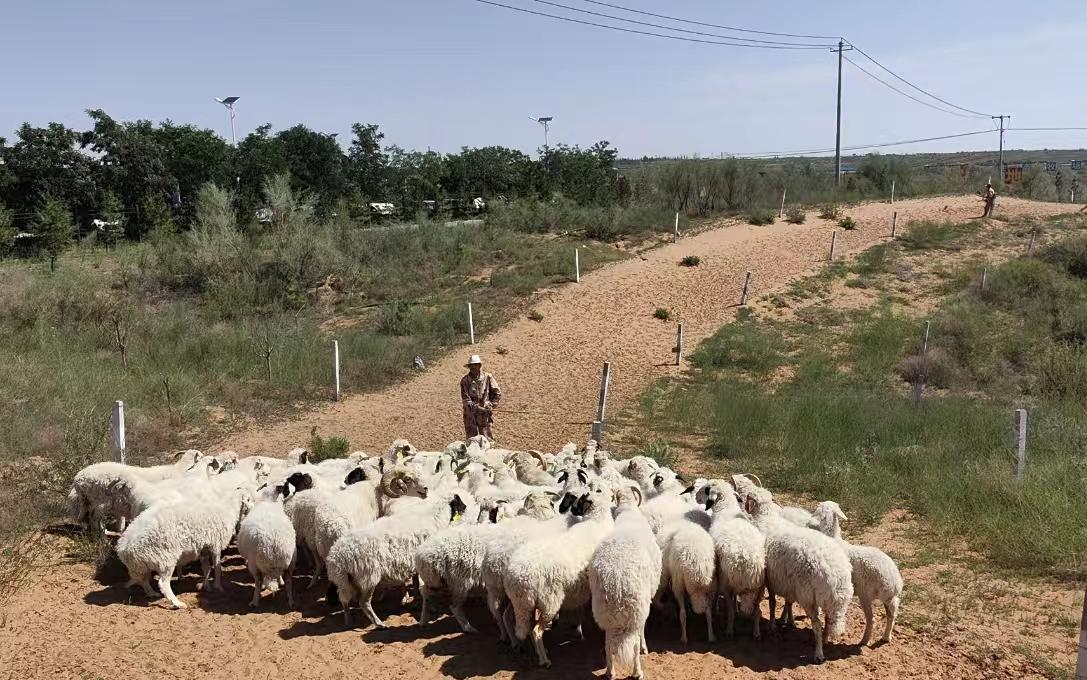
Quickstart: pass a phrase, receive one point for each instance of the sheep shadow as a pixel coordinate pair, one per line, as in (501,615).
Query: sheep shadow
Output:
(329,620)
(781,649)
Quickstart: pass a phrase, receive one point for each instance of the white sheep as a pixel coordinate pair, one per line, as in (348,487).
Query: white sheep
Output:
(875,574)
(169,535)
(382,553)
(267,542)
(689,569)
(549,573)
(91,498)
(624,572)
(805,567)
(740,550)
(334,513)
(668,500)
(452,559)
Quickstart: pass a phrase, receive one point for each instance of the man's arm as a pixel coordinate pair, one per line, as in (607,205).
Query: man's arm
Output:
(495,393)
(465,398)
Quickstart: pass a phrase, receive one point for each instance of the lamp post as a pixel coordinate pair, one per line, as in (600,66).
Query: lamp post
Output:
(228,102)
(545,122)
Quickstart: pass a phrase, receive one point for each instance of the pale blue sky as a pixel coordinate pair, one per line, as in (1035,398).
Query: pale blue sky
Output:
(447,73)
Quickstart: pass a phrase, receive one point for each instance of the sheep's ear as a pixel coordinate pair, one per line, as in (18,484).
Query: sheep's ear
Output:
(381,464)
(553,494)
(262,486)
(637,492)
(839,514)
(689,489)
(303,457)
(680,478)
(564,476)
(583,476)
(355,476)
(493,515)
(749,505)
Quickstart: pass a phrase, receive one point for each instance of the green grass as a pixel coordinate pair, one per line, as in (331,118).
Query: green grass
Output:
(796,215)
(842,425)
(662,313)
(927,234)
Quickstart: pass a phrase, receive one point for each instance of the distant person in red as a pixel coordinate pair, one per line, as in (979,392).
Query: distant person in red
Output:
(989,196)
(480,395)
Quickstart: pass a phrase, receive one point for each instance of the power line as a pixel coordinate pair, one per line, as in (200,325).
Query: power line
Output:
(926,92)
(631,30)
(906,94)
(679,30)
(1032,129)
(703,23)
(771,154)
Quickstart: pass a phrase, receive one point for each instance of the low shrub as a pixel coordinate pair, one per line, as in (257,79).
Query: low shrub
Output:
(323,449)
(535,315)
(936,368)
(690,261)
(796,215)
(829,211)
(662,314)
(761,216)
(847,223)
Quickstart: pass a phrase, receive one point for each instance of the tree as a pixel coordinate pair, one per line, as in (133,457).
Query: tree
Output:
(53,228)
(7,230)
(1061,182)
(111,212)
(367,165)
(316,164)
(194,157)
(46,162)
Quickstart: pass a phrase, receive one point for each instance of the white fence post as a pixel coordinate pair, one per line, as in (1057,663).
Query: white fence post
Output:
(598,431)
(924,341)
(743,293)
(1020,443)
(577,266)
(984,278)
(894,224)
(679,344)
(336,369)
(1030,246)
(781,212)
(892,192)
(471,325)
(605,380)
(833,242)
(675,230)
(117,423)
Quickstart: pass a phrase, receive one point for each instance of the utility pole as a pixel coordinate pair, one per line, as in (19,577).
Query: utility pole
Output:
(838,131)
(1000,160)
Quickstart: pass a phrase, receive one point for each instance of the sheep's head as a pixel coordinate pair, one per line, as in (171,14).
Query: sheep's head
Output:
(457,507)
(641,467)
(300,481)
(573,477)
(758,501)
(400,481)
(187,458)
(298,456)
(539,504)
(745,484)
(596,500)
(627,495)
(828,514)
(664,478)
(355,476)
(717,494)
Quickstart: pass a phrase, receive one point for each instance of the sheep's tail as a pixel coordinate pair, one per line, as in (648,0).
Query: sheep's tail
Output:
(622,648)
(270,583)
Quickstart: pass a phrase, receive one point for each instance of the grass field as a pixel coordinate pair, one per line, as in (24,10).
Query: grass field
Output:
(812,394)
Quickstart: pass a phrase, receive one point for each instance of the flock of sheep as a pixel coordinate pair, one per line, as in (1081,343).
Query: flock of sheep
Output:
(535,534)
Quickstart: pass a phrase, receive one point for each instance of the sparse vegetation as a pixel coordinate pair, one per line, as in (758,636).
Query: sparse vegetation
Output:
(796,215)
(535,315)
(662,314)
(847,223)
(321,448)
(761,216)
(829,211)
(690,261)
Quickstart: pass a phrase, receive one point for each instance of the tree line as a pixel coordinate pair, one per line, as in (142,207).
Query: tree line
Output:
(138,175)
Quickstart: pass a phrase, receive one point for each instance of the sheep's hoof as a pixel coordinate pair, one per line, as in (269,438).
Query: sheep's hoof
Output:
(180,605)
(545,663)
(469,629)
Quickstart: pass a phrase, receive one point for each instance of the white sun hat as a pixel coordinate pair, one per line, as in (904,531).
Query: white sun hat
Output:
(474,360)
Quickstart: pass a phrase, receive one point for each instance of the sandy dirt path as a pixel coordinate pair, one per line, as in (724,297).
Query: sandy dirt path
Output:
(552,367)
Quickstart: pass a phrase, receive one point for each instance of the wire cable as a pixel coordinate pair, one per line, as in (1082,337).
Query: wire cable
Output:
(926,92)
(631,30)
(863,146)
(1033,129)
(679,30)
(703,23)
(908,95)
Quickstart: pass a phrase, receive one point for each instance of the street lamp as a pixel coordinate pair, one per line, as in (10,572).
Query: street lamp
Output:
(545,122)
(228,102)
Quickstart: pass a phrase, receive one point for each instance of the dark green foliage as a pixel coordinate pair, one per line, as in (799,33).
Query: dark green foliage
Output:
(796,215)
(323,449)
(53,229)
(829,211)
(761,216)
(847,223)
(690,261)
(662,314)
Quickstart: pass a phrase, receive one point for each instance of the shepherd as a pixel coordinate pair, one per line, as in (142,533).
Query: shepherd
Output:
(989,196)
(480,395)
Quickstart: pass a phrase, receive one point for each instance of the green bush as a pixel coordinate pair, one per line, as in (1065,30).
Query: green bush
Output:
(690,261)
(829,211)
(761,216)
(847,223)
(796,215)
(662,314)
(323,449)
(535,315)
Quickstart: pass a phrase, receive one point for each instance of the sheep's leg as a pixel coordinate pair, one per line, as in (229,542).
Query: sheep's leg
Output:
(494,605)
(217,563)
(507,622)
(771,600)
(681,606)
(538,643)
(255,602)
(730,614)
(638,674)
(289,586)
(817,631)
(866,607)
(205,569)
(580,620)
(367,606)
(709,621)
(787,618)
(168,593)
(457,607)
(891,609)
(424,593)
(644,646)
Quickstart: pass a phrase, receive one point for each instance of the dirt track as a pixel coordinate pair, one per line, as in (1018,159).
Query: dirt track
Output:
(553,366)
(65,624)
